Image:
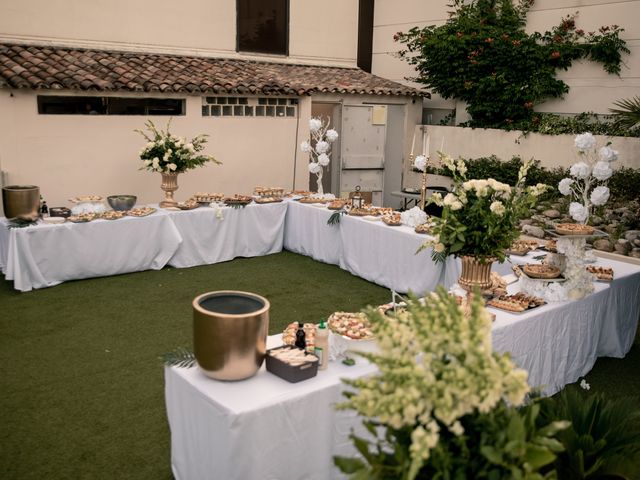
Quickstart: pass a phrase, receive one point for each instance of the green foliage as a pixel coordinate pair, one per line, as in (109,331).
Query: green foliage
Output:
(552,124)
(483,56)
(627,116)
(334,219)
(604,438)
(180,357)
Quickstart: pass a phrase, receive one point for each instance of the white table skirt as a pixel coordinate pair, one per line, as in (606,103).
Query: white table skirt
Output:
(290,429)
(251,231)
(45,255)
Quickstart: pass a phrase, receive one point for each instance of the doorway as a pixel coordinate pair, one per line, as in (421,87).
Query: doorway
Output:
(331,176)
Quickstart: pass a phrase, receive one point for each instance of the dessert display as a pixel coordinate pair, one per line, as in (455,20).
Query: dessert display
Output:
(516,303)
(383,210)
(268,199)
(112,215)
(238,200)
(364,212)
(337,204)
(604,274)
(268,192)
(424,228)
(315,200)
(188,205)
(574,229)
(82,217)
(522,247)
(289,335)
(86,199)
(392,219)
(291,364)
(207,198)
(355,326)
(543,271)
(141,211)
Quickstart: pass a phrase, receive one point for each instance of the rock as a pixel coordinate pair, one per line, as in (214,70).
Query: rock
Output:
(525,221)
(541,208)
(636,242)
(632,235)
(621,210)
(635,253)
(603,244)
(595,220)
(611,228)
(533,231)
(622,246)
(551,213)
(556,206)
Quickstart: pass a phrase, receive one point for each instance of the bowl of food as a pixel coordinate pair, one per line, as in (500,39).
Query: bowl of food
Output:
(122,203)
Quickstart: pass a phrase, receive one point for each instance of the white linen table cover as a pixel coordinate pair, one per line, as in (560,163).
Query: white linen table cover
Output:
(45,255)
(262,428)
(243,232)
(307,233)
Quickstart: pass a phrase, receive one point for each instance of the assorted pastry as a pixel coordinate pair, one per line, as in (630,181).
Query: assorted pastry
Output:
(189,204)
(141,211)
(574,229)
(289,335)
(86,199)
(518,302)
(82,217)
(292,356)
(392,219)
(352,325)
(315,200)
(551,246)
(364,212)
(268,199)
(238,200)
(522,247)
(268,191)
(338,204)
(112,215)
(202,197)
(539,270)
(424,228)
(604,274)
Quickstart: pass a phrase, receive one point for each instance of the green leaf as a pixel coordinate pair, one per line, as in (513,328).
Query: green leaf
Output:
(537,456)
(492,454)
(349,465)
(180,357)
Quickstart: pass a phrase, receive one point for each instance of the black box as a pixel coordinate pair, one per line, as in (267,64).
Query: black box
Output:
(288,372)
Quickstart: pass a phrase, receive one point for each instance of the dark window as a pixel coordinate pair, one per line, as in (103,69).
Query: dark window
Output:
(63,105)
(365,34)
(263,26)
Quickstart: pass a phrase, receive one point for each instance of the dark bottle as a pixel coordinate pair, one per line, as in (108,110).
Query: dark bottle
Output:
(301,337)
(44,210)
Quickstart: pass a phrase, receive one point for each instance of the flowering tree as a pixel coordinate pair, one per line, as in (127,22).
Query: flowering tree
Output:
(587,187)
(319,148)
(167,153)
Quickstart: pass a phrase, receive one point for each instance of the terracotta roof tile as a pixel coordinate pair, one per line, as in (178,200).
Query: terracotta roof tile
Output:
(48,67)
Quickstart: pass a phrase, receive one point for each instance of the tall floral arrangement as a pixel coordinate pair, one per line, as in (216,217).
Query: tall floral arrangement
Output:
(443,400)
(319,147)
(168,153)
(587,186)
(480,218)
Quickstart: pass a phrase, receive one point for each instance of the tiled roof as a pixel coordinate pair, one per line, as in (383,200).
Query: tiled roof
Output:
(62,68)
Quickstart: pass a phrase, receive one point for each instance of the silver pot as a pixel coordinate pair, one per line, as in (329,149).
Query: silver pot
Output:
(21,202)
(230,333)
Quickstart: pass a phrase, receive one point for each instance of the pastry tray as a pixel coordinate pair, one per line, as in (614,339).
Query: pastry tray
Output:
(290,373)
(557,279)
(528,309)
(596,233)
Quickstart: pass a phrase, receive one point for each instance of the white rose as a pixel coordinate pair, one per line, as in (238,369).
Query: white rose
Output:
(315,124)
(608,154)
(166,156)
(172,166)
(457,205)
(331,135)
(322,147)
(578,212)
(580,170)
(602,170)
(449,199)
(155,162)
(189,146)
(305,147)
(599,196)
(439,247)
(150,145)
(420,162)
(584,141)
(314,167)
(565,186)
(497,208)
(323,159)
(147,163)
(468,185)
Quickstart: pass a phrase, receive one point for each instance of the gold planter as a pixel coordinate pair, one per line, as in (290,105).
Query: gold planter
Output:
(169,185)
(476,272)
(230,333)
(21,202)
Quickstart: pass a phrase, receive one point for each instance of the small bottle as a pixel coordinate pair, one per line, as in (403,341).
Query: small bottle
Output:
(322,345)
(301,337)
(44,210)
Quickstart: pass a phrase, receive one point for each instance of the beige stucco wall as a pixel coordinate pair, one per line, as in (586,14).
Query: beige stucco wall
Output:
(319,32)
(591,88)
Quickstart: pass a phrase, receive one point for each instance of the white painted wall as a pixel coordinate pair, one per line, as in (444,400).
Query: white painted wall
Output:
(323,33)
(591,88)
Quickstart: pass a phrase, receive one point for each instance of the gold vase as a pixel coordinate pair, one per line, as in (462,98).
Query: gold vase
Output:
(476,272)
(168,186)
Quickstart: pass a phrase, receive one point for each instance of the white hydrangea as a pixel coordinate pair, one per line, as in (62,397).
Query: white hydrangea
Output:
(497,208)
(420,162)
(172,167)
(600,195)
(565,186)
(305,147)
(314,167)
(580,170)
(602,171)
(457,205)
(608,154)
(331,135)
(449,199)
(537,190)
(578,212)
(323,159)
(156,163)
(439,247)
(315,124)
(322,147)
(584,141)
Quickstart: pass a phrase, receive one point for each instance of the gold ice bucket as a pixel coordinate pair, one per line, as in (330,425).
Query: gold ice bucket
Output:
(21,202)
(230,333)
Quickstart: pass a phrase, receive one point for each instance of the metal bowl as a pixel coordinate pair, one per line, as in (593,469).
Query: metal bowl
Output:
(122,203)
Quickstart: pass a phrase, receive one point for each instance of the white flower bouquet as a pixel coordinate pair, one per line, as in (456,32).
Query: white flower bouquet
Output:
(167,153)
(319,148)
(587,185)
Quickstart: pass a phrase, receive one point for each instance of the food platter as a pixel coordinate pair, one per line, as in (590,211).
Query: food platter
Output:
(188,205)
(141,211)
(517,303)
(82,218)
(112,215)
(522,247)
(595,233)
(392,219)
(263,200)
(86,199)
(238,200)
(602,274)
(541,270)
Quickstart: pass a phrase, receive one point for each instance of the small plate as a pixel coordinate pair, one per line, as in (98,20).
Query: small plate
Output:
(596,233)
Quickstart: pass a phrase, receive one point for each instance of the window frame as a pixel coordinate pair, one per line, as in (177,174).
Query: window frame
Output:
(286,33)
(43,99)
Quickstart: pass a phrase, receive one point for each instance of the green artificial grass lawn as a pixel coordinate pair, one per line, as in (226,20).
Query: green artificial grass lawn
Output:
(81,382)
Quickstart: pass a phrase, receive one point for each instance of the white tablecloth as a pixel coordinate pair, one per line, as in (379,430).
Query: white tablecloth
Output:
(262,428)
(45,255)
(306,232)
(243,232)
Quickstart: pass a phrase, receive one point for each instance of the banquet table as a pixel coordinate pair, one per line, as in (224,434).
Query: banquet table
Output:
(46,255)
(290,429)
